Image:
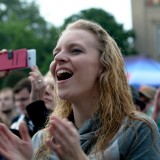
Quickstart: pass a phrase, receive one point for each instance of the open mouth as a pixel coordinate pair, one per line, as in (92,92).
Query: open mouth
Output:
(64,74)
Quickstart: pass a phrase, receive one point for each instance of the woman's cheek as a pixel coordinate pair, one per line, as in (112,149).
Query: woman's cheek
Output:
(52,68)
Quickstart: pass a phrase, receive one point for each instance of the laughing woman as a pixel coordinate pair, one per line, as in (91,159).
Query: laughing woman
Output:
(94,117)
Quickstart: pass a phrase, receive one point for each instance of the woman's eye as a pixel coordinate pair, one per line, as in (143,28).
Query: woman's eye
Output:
(54,54)
(76,51)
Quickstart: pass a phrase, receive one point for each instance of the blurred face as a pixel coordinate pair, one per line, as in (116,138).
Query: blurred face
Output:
(6,100)
(22,99)
(49,93)
(76,66)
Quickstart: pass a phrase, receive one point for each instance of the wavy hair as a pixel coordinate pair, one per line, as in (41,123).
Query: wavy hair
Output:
(115,100)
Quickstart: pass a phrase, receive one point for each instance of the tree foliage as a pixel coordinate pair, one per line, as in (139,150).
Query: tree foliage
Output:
(21,26)
(125,39)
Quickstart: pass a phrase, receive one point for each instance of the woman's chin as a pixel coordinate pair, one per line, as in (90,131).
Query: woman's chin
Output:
(64,96)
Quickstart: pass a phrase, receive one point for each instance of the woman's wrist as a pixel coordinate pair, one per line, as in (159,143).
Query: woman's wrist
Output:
(84,157)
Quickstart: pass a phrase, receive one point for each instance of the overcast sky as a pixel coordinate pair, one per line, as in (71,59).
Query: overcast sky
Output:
(55,11)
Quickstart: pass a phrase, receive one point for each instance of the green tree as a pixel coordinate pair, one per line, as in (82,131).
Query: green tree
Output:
(125,39)
(21,26)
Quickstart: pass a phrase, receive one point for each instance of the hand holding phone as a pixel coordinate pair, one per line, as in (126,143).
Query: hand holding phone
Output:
(3,73)
(16,59)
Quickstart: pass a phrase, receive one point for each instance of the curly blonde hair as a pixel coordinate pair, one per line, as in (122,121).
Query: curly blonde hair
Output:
(115,100)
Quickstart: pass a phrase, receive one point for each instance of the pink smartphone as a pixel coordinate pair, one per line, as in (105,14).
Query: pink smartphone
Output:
(17,59)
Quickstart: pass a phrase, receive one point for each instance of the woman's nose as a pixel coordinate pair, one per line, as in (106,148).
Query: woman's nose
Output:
(61,57)
(47,90)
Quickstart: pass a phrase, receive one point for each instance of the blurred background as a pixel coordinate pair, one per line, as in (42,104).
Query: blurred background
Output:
(134,24)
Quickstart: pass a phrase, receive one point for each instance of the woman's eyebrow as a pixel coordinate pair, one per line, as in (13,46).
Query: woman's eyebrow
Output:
(75,44)
(56,49)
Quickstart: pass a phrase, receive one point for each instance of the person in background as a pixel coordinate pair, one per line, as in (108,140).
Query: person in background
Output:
(4,120)
(49,91)
(140,105)
(155,110)
(21,93)
(7,105)
(41,102)
(42,87)
(94,116)
(147,94)
(42,98)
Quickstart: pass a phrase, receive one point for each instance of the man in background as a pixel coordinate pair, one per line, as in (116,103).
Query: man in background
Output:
(7,105)
(140,105)
(147,95)
(22,92)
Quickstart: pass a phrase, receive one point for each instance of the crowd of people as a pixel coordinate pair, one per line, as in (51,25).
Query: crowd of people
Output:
(83,108)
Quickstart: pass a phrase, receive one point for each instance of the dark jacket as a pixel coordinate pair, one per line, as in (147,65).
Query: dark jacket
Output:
(38,114)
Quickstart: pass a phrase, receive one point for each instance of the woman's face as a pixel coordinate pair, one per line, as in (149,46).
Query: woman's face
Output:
(76,66)
(49,93)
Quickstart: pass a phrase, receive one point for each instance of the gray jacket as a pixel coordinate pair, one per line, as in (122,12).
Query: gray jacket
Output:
(136,142)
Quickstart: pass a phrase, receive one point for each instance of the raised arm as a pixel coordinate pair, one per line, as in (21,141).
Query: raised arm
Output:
(38,84)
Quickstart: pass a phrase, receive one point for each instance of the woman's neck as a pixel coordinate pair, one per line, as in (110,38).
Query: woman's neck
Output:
(83,108)
(81,114)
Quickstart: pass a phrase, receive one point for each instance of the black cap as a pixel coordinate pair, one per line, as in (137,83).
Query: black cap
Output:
(136,98)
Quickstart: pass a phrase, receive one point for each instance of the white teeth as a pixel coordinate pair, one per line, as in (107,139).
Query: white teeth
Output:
(63,71)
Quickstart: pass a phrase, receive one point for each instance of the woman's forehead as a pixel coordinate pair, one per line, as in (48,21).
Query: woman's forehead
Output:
(77,36)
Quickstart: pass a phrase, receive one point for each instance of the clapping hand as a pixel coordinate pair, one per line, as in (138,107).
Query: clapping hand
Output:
(14,148)
(65,141)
